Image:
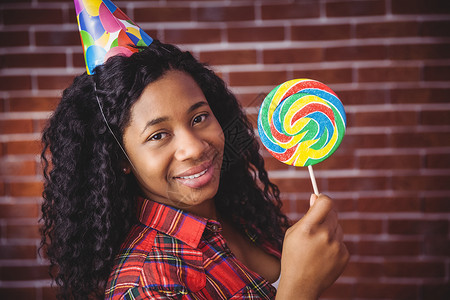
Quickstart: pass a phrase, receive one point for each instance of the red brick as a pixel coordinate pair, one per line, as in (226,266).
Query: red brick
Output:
(49,293)
(228,57)
(20,273)
(58,38)
(288,56)
(23,231)
(355,53)
(387,29)
(14,38)
(250,100)
(436,245)
(33,104)
(270,78)
(17,252)
(437,161)
(425,183)
(16,126)
(32,16)
(162,14)
(357,141)
(361,226)
(420,7)
(436,73)
(355,8)
(225,14)
(357,97)
(296,10)
(360,183)
(326,76)
(414,269)
(433,291)
(18,168)
(35,60)
(321,32)
(190,36)
(420,95)
(23,147)
(19,210)
(18,293)
(437,204)
(361,269)
(39,125)
(389,74)
(338,161)
(389,204)
(377,290)
(56,82)
(78,60)
(26,189)
(435,117)
(389,248)
(10,83)
(255,34)
(379,162)
(414,226)
(420,139)
(385,118)
(419,51)
(293,185)
(344,204)
(435,28)
(3,104)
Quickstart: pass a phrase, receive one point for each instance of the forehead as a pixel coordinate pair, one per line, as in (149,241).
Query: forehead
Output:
(171,94)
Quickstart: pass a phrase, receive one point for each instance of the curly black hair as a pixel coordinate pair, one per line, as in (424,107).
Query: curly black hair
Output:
(89,204)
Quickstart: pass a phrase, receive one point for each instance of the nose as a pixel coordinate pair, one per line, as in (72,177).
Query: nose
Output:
(190,146)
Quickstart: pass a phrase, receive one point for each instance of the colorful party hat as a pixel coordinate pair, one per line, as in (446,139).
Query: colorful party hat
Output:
(106,31)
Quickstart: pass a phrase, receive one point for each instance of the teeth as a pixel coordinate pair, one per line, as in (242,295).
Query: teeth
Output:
(193,176)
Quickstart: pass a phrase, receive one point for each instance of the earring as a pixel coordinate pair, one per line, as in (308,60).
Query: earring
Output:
(126,170)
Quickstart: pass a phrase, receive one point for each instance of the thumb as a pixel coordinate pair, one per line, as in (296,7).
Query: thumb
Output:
(321,206)
(312,199)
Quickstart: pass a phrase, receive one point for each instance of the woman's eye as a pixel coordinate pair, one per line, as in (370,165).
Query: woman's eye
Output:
(157,136)
(199,119)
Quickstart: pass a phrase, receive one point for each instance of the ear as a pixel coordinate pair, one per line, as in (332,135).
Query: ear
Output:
(125,166)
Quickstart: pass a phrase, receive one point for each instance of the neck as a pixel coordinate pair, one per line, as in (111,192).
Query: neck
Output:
(206,209)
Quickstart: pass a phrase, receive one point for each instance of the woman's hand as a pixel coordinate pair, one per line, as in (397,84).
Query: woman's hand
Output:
(313,253)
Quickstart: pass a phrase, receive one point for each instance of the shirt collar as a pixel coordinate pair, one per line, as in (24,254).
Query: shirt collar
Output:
(178,223)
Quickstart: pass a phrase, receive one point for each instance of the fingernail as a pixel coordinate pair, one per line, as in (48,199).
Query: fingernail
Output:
(312,199)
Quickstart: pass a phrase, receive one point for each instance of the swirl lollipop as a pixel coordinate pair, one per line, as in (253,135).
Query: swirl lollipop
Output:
(302,122)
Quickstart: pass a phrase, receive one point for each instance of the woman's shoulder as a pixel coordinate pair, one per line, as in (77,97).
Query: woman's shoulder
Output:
(154,261)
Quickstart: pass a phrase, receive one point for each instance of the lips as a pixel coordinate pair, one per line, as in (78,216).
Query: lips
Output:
(198,176)
(194,176)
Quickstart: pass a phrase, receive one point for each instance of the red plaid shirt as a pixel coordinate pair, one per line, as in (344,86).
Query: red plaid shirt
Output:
(172,254)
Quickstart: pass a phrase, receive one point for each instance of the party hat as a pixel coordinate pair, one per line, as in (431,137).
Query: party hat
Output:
(106,31)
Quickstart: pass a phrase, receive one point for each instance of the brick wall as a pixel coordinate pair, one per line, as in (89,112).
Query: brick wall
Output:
(388,60)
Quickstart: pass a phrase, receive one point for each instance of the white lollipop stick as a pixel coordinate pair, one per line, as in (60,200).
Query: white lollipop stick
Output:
(313,180)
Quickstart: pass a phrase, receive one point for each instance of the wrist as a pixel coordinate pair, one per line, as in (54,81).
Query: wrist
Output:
(288,291)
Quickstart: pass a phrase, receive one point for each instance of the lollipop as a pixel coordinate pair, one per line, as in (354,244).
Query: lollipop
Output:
(301,122)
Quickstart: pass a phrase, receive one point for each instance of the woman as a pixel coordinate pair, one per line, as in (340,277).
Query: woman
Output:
(149,194)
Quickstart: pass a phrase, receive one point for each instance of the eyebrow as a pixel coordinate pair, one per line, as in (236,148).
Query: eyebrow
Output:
(164,119)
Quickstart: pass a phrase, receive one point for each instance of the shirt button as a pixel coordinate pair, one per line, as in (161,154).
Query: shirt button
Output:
(214,227)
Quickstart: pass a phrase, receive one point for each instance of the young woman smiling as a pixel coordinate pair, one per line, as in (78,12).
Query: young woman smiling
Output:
(147,197)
